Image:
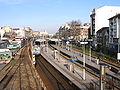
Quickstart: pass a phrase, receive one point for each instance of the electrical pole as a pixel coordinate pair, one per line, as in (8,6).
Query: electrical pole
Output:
(84,63)
(102,75)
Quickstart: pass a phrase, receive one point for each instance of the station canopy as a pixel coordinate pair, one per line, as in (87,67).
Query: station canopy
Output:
(40,40)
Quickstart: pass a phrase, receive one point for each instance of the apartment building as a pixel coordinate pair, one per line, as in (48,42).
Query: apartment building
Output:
(76,32)
(83,33)
(114,31)
(28,32)
(64,32)
(7,28)
(99,17)
(103,36)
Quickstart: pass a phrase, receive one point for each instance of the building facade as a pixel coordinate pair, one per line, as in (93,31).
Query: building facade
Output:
(99,17)
(114,30)
(103,36)
(7,28)
(76,32)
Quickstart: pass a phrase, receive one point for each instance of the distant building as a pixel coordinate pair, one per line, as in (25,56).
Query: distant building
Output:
(20,33)
(64,32)
(36,34)
(7,29)
(76,32)
(27,29)
(28,32)
(103,36)
(43,34)
(15,29)
(114,31)
(84,32)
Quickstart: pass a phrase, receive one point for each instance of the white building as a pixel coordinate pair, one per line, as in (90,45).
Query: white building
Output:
(20,33)
(114,30)
(99,17)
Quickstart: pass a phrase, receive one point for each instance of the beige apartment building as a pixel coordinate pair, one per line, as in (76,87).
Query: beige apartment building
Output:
(7,28)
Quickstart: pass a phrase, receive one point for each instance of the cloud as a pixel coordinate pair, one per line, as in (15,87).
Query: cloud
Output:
(11,2)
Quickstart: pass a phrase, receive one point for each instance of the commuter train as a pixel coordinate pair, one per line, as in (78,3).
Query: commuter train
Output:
(36,46)
(53,41)
(36,50)
(5,54)
(39,42)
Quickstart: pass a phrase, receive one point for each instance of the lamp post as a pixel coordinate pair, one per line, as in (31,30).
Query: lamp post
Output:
(59,46)
(102,75)
(90,40)
(84,75)
(118,54)
(83,43)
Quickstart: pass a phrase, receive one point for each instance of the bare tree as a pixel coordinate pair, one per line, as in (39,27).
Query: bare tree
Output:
(75,28)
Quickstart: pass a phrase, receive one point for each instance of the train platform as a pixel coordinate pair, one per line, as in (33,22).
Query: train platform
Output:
(93,62)
(72,52)
(76,77)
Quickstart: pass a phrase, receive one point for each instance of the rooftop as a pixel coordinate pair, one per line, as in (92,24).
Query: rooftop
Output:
(118,15)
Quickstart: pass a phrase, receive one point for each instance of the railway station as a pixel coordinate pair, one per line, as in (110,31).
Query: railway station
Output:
(51,45)
(40,64)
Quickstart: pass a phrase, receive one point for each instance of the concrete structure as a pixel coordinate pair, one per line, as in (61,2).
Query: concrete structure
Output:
(100,16)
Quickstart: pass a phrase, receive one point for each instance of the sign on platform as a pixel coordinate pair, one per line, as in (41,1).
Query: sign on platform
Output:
(83,42)
(67,42)
(118,56)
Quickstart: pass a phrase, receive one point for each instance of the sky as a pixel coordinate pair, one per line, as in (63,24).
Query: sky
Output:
(48,15)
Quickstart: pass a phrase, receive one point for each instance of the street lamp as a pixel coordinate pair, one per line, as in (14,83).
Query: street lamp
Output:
(102,75)
(84,43)
(90,40)
(118,54)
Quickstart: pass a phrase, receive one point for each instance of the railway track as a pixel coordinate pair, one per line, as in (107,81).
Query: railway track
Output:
(52,78)
(90,69)
(19,74)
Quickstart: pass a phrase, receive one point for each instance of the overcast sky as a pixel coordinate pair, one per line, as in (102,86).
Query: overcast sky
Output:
(47,14)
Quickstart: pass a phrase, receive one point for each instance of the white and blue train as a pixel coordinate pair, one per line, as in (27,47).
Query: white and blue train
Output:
(36,50)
